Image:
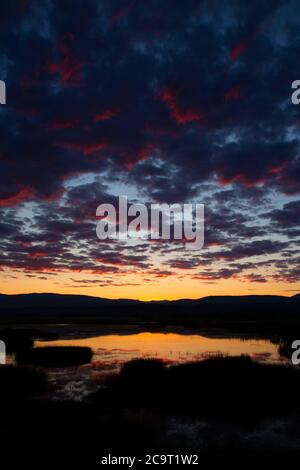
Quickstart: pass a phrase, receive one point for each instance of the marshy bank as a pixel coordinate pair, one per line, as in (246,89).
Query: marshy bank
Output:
(218,403)
(52,356)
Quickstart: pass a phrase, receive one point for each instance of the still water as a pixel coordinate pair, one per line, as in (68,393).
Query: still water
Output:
(112,346)
(114,349)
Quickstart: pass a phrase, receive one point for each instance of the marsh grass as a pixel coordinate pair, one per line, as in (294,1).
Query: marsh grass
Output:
(234,387)
(18,382)
(55,356)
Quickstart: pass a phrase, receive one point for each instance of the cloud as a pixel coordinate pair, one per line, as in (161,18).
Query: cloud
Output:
(180,100)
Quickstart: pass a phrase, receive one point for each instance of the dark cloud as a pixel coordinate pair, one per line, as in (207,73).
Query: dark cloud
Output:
(103,84)
(287,217)
(183,100)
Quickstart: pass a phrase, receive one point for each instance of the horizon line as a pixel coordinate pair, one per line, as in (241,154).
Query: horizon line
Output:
(150,300)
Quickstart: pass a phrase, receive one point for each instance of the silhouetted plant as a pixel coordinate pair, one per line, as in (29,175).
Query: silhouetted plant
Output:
(56,356)
(235,387)
(18,382)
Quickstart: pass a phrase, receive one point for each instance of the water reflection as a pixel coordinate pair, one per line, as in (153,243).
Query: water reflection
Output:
(172,347)
(111,350)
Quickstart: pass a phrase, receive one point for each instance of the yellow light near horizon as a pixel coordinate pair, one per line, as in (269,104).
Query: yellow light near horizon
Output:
(168,288)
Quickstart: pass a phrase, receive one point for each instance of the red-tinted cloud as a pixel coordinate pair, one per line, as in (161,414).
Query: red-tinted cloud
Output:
(182,115)
(69,68)
(234,94)
(242,47)
(106,114)
(16,198)
(67,124)
(121,12)
(86,148)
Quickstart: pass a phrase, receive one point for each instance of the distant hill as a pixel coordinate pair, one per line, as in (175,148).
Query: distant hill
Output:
(295,298)
(47,300)
(245,299)
(46,307)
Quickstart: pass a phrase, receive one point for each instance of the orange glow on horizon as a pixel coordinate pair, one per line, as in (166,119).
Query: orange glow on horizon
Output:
(134,287)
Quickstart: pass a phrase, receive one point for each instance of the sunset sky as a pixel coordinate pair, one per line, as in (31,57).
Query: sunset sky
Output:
(165,101)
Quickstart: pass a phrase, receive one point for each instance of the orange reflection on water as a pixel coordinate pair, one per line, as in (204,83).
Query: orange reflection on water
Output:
(169,346)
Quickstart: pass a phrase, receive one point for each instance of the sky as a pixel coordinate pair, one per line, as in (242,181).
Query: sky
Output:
(165,101)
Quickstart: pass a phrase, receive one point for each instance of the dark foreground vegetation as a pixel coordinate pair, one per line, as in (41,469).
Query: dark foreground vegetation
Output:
(229,403)
(229,387)
(18,383)
(222,403)
(17,339)
(61,356)
(20,343)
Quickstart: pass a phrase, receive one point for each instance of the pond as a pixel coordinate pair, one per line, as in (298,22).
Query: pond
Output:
(112,347)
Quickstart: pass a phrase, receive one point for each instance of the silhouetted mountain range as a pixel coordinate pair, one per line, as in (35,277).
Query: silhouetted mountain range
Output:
(77,301)
(73,308)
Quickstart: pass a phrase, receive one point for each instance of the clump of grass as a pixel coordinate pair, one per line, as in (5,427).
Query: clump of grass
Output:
(20,339)
(15,342)
(56,356)
(142,370)
(32,333)
(21,382)
(220,386)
